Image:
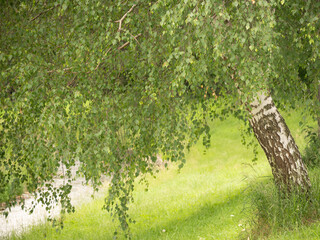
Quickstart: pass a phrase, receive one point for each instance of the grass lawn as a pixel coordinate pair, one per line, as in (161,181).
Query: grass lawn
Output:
(208,199)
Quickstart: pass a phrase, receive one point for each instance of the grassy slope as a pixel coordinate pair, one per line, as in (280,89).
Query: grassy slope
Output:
(207,200)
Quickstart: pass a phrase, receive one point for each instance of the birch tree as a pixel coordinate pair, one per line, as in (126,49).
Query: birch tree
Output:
(113,84)
(277,142)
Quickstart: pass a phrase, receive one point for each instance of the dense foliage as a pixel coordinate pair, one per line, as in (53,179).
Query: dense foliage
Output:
(113,84)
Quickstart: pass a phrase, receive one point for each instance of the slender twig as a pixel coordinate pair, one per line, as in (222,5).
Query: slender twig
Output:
(72,82)
(119,48)
(123,17)
(123,46)
(65,69)
(135,37)
(98,65)
(47,10)
(127,43)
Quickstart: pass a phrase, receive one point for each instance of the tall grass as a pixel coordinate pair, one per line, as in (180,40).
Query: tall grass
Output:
(275,211)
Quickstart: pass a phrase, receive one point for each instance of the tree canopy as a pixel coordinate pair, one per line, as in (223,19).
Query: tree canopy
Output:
(113,84)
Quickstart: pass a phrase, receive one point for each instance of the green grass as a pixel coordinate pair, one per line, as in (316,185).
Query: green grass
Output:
(208,199)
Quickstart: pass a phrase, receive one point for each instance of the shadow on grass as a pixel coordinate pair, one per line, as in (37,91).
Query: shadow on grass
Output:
(211,221)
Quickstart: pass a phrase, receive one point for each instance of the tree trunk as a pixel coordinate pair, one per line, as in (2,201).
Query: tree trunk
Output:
(277,142)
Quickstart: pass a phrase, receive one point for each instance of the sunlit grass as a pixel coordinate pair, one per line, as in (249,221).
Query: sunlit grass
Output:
(208,199)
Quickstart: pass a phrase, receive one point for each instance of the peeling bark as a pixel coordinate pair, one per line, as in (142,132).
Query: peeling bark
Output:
(278,144)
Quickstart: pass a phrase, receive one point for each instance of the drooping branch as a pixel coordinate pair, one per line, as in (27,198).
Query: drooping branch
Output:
(103,58)
(98,65)
(41,13)
(64,70)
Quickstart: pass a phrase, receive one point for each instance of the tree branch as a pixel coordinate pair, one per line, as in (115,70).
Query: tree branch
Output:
(99,64)
(65,69)
(135,37)
(127,43)
(124,16)
(47,10)
(102,58)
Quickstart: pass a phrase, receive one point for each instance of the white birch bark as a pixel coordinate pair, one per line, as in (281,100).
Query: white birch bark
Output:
(277,142)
